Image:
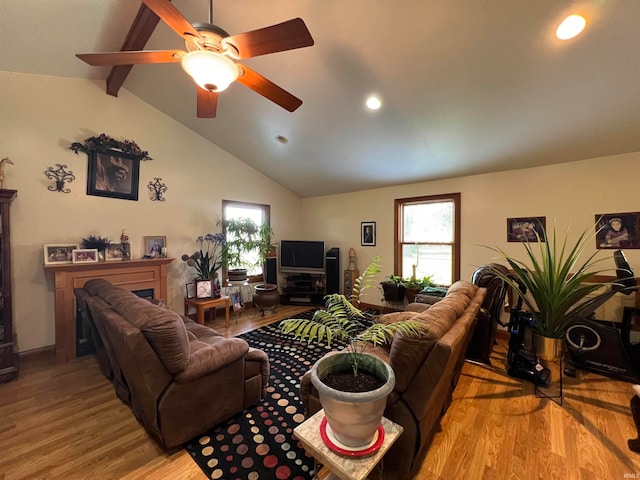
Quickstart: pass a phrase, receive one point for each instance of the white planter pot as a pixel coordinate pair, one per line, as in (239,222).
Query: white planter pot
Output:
(354,417)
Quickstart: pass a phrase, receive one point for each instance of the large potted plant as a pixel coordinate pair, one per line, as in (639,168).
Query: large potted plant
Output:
(353,386)
(249,245)
(558,285)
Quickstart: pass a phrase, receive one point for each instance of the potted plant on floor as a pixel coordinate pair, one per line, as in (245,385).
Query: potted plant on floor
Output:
(249,245)
(557,285)
(353,385)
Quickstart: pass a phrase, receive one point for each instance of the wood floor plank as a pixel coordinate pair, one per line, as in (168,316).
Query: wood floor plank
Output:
(63,420)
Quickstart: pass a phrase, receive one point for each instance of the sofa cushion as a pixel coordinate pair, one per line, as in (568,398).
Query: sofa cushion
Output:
(170,341)
(163,328)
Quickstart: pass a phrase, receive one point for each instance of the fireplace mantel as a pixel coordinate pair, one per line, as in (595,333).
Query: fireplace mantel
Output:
(130,274)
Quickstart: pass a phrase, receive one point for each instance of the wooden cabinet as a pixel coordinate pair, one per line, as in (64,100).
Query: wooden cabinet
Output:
(8,354)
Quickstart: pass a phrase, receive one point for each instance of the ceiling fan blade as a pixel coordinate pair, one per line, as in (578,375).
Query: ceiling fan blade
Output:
(288,35)
(268,89)
(207,103)
(172,17)
(141,29)
(130,58)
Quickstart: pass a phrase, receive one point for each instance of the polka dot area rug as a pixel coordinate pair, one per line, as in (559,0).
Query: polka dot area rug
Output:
(258,444)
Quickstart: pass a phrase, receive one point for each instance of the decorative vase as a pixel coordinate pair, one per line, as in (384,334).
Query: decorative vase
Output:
(547,348)
(354,417)
(101,255)
(266,297)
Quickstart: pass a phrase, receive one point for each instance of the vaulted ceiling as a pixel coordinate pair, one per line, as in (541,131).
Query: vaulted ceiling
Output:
(467,86)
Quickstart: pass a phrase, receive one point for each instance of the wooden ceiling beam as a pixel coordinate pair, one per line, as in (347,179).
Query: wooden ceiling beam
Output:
(143,26)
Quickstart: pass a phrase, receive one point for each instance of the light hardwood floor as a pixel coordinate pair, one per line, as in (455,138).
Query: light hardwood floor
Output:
(64,421)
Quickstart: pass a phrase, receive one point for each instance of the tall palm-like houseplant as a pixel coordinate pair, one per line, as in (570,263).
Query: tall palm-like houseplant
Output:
(558,283)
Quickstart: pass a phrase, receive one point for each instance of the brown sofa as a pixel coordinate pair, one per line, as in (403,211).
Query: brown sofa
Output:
(427,370)
(180,378)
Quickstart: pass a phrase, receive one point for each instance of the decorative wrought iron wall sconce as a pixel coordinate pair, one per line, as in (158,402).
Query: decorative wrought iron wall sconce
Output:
(157,189)
(60,175)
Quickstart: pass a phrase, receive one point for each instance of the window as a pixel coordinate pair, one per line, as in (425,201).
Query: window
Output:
(428,236)
(256,212)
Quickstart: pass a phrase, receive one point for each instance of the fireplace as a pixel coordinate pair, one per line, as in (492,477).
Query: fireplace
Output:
(147,277)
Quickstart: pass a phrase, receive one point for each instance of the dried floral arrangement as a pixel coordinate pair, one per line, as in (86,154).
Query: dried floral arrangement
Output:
(103,143)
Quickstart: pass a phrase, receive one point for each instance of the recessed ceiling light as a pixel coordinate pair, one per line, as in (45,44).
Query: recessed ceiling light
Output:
(571,27)
(282,139)
(373,103)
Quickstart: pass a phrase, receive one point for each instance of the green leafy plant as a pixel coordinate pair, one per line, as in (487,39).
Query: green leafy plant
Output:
(103,143)
(418,283)
(343,319)
(556,281)
(244,237)
(96,241)
(208,258)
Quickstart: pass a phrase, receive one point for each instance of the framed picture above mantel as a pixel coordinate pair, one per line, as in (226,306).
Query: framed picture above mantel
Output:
(114,166)
(113,174)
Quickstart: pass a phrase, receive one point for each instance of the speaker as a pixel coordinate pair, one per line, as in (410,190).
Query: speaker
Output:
(332,268)
(271,271)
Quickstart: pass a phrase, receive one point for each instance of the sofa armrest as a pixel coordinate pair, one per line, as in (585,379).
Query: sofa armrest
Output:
(417,307)
(211,358)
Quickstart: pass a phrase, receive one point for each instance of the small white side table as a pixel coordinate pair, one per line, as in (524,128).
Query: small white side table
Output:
(241,287)
(340,466)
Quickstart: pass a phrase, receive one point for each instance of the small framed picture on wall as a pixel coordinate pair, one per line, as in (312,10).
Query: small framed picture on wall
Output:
(617,230)
(368,234)
(526,229)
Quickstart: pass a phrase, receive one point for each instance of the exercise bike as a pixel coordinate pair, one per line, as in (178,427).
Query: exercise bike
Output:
(605,347)
(523,362)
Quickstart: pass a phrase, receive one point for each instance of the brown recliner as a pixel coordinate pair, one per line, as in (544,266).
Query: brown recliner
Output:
(484,334)
(182,378)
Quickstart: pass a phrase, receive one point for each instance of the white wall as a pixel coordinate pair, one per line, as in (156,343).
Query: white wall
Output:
(570,193)
(41,116)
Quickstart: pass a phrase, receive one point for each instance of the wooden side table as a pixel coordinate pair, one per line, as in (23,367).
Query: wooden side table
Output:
(340,466)
(201,304)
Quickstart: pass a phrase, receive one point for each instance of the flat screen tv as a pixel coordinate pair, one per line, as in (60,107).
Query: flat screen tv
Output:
(301,256)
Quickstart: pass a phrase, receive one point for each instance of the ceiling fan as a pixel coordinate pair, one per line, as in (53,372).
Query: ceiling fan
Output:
(212,54)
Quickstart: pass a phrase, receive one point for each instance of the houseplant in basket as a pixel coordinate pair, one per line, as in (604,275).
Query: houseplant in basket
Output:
(353,386)
(393,289)
(557,284)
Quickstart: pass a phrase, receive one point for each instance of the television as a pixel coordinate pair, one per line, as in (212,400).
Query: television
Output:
(301,256)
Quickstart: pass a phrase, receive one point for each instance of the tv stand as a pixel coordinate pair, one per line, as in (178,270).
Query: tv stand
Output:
(304,289)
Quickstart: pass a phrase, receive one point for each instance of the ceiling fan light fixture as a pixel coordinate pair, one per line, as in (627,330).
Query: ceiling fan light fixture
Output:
(571,27)
(210,70)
